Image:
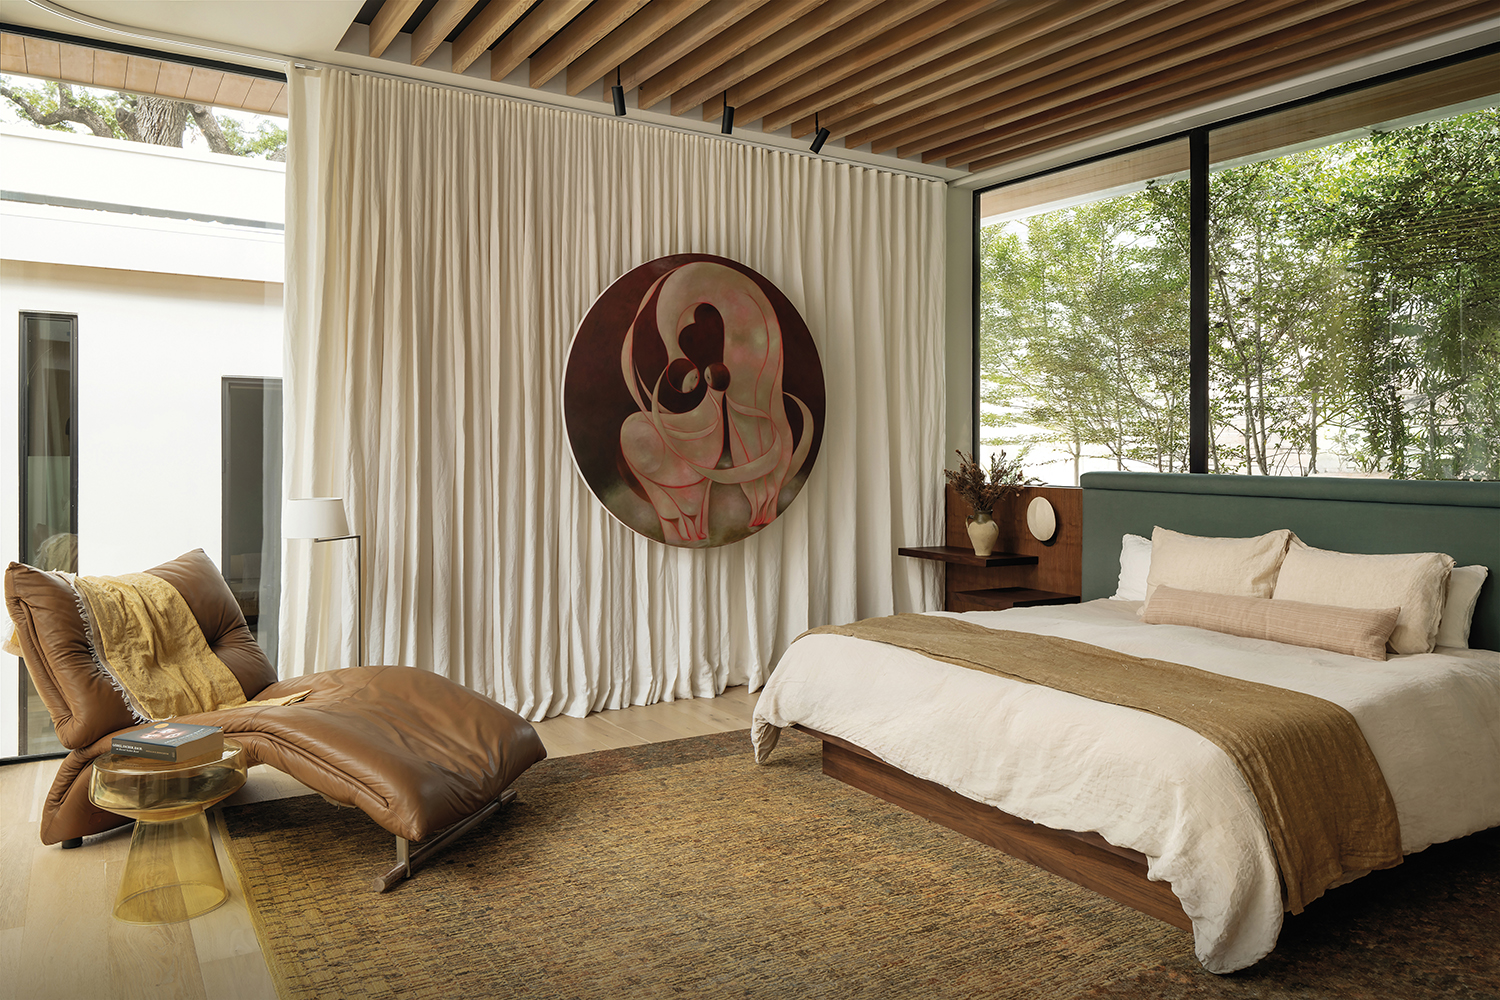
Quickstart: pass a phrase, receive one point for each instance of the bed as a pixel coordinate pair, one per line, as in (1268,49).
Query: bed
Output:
(1132,805)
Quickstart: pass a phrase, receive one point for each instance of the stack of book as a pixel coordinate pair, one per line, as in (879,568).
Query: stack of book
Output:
(169,741)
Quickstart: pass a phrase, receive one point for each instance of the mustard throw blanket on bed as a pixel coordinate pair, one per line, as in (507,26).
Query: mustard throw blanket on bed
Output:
(1325,802)
(148,642)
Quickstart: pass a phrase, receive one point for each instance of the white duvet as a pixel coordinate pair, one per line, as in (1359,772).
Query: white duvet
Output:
(1143,782)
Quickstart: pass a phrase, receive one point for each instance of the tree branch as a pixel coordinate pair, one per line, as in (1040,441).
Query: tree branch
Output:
(66,111)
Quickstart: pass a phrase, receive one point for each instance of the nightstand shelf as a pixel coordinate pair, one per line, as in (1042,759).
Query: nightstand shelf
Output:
(966,557)
(1004,598)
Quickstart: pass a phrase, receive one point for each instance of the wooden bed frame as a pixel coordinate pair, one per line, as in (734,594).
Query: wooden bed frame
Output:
(1462,519)
(1085,858)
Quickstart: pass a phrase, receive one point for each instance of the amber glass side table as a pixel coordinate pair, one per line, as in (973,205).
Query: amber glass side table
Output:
(171,873)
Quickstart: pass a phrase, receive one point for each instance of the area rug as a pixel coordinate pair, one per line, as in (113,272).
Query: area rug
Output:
(681,869)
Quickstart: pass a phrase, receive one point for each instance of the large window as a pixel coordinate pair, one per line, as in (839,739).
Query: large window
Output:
(151,219)
(1352,249)
(1355,298)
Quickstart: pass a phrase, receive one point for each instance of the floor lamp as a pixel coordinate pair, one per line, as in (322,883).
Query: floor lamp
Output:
(322,519)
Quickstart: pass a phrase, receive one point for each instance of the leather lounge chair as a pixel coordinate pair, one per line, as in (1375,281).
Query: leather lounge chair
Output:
(424,757)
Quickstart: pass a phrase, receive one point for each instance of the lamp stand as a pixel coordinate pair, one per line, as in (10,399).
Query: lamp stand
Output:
(359,592)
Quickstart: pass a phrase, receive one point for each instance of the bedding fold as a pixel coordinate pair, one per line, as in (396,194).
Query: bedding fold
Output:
(1324,822)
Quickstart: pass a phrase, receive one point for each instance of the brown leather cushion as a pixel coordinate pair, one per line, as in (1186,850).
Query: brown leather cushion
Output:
(83,705)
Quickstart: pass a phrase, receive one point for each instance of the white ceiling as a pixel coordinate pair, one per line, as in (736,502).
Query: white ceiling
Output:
(263,32)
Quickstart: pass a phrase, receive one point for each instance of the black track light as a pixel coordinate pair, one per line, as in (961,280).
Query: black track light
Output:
(727,125)
(619,95)
(821,137)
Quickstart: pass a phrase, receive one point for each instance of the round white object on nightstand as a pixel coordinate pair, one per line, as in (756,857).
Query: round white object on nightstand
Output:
(1041,519)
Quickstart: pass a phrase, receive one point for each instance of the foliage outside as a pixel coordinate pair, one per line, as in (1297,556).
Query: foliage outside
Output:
(1354,310)
(160,121)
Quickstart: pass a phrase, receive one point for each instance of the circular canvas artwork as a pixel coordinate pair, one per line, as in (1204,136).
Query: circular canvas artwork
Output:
(693,399)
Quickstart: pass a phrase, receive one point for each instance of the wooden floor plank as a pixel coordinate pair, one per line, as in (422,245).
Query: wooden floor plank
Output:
(64,943)
(158,960)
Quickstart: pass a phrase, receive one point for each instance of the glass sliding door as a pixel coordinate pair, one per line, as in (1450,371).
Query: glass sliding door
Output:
(252,502)
(48,478)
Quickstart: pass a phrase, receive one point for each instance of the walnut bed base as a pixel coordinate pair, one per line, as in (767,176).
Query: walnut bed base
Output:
(1085,858)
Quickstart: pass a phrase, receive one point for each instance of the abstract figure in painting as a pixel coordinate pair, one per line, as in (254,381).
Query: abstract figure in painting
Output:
(722,406)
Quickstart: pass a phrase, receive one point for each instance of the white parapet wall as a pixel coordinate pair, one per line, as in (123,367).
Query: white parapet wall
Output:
(172,262)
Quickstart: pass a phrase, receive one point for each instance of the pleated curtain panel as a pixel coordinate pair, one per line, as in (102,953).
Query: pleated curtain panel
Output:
(442,247)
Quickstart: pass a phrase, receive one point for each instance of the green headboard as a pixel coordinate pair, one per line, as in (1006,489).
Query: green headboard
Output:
(1349,515)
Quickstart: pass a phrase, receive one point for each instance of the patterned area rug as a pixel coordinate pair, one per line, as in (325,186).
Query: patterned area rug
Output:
(682,869)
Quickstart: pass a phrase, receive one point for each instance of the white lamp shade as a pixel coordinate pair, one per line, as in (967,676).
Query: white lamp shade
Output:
(314,517)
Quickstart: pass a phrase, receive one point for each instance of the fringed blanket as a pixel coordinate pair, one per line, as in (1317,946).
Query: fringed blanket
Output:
(1325,803)
(147,642)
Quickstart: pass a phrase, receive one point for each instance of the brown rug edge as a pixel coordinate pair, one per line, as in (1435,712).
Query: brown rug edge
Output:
(274,967)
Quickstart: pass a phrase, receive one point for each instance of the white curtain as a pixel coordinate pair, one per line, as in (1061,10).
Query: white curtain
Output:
(442,246)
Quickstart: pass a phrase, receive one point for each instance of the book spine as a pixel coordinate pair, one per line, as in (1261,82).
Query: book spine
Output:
(138,750)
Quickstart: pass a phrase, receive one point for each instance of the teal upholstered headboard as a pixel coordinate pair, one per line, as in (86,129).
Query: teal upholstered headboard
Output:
(1349,515)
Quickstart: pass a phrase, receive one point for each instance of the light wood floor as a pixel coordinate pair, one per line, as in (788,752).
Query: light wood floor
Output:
(58,940)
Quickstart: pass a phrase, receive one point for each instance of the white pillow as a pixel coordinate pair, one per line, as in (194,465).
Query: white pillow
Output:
(1458,610)
(1239,567)
(1416,582)
(1135,564)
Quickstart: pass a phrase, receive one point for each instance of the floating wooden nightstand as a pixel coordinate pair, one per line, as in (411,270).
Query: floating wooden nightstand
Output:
(1024,571)
(966,557)
(1004,598)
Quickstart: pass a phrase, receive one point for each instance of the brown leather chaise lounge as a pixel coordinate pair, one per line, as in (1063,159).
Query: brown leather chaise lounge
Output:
(424,757)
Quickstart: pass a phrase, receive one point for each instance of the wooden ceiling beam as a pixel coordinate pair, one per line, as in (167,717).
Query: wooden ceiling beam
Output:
(1269,64)
(645,27)
(389,21)
(755,27)
(883,91)
(1044,59)
(577,38)
(700,29)
(441,20)
(541,22)
(952,118)
(1022,21)
(868,38)
(492,22)
(822,20)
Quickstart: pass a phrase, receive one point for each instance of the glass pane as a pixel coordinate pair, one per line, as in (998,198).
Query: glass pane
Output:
(1355,307)
(1083,336)
(252,502)
(48,536)
(49,489)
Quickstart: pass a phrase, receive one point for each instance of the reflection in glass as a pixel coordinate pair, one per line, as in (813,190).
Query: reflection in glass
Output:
(49,480)
(252,502)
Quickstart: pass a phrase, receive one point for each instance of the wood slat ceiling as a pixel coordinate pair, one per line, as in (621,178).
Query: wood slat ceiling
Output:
(71,63)
(971,84)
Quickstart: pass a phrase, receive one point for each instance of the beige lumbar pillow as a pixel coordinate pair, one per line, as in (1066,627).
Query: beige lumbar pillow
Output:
(1416,582)
(1356,631)
(1240,567)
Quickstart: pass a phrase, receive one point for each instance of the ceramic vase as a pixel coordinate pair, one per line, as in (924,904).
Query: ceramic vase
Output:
(983,532)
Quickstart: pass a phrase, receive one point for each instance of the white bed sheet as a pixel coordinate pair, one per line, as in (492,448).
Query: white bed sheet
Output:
(1141,781)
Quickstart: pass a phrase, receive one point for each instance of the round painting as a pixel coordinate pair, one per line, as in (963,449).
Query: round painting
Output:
(693,399)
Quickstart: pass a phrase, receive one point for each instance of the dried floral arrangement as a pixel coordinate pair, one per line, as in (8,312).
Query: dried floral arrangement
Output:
(1005,480)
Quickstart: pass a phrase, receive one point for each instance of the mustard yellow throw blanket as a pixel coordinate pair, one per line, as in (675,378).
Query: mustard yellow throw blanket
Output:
(147,641)
(1327,809)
